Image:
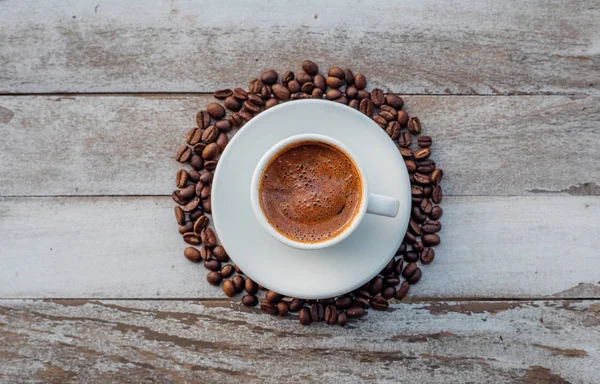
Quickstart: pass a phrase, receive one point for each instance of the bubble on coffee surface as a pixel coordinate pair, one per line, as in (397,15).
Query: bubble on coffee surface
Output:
(310,191)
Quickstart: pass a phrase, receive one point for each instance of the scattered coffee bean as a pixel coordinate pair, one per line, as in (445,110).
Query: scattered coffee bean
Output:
(394,101)
(308,87)
(351,92)
(402,118)
(192,254)
(426,166)
(179,215)
(201,223)
(418,215)
(238,283)
(214,278)
(281,92)
(427,255)
(202,119)
(269,77)
(380,121)
(208,237)
(379,303)
(411,166)
(317,313)
(232,103)
(183,154)
(360,81)
(251,287)
(388,113)
(273,297)
(212,265)
(411,257)
(401,249)
(391,281)
(240,94)
(299,96)
(304,316)
(436,195)
(227,270)
(228,288)
(282,308)
(431,239)
(269,308)
(431,226)
(377,96)
(193,204)
(222,94)
(355,312)
(294,86)
(376,285)
(407,153)
(415,277)
(333,82)
(310,67)
(343,302)
(389,268)
(249,300)
(271,103)
(367,107)
(424,141)
(255,86)
(320,82)
(436,212)
(205,253)
(223,140)
(402,291)
(409,238)
(414,125)
(393,130)
(287,77)
(303,77)
(296,305)
(185,228)
(362,94)
(216,110)
(317,94)
(333,94)
(331,315)
(354,104)
(414,227)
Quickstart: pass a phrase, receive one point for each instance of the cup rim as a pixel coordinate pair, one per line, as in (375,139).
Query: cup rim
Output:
(255,201)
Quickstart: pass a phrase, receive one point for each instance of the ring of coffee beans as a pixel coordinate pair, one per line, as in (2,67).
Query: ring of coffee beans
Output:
(205,142)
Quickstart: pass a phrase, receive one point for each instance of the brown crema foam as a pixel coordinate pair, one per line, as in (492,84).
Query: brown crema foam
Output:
(310,191)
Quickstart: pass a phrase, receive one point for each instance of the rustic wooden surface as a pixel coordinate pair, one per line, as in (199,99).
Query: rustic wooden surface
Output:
(181,341)
(95,98)
(441,47)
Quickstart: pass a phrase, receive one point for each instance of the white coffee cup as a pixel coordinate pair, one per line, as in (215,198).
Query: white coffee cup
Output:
(370,202)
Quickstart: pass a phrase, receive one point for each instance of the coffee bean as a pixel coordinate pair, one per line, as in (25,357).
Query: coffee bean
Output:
(393,130)
(252,108)
(355,312)
(310,67)
(227,270)
(380,121)
(222,94)
(251,287)
(294,86)
(216,110)
(341,100)
(351,92)
(415,277)
(431,239)
(195,215)
(362,94)
(436,176)
(206,253)
(208,237)
(249,300)
(240,94)
(424,141)
(269,309)
(214,278)
(331,315)
(409,238)
(200,224)
(236,120)
(269,77)
(333,94)
(353,104)
(416,200)
(296,305)
(389,268)
(377,96)
(379,303)
(255,100)
(202,119)
(414,125)
(391,281)
(198,148)
(303,77)
(193,136)
(238,270)
(422,153)
(185,228)
(193,175)
(418,215)
(333,82)
(364,292)
(416,190)
(308,87)
(282,308)
(287,77)
(273,297)
(402,291)
(360,81)
(211,151)
(192,254)
(255,86)
(232,103)
(343,302)
(407,153)
(320,82)
(223,140)
(401,249)
(197,162)
(414,227)
(427,255)
(418,247)
(281,92)
(436,212)
(183,154)
(271,103)
(304,316)
(409,269)
(411,257)
(191,205)
(411,166)
(317,313)
(342,319)
(432,226)
(376,285)
(403,118)
(421,178)
(394,101)
(191,238)
(265,92)
(179,215)
(336,72)
(360,302)
(210,134)
(238,283)
(404,140)
(317,94)
(426,206)
(426,166)
(212,265)
(367,107)
(437,195)
(388,292)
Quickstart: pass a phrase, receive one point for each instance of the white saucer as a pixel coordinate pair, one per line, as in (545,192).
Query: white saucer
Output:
(309,274)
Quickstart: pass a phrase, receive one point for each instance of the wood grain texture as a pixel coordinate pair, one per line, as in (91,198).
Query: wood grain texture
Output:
(440,47)
(125,145)
(219,342)
(129,247)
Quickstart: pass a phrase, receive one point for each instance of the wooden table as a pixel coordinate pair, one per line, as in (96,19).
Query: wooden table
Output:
(96,97)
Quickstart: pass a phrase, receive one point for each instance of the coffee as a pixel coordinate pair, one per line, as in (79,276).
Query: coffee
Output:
(310,191)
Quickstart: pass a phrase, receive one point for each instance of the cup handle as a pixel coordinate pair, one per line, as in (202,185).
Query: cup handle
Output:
(382,205)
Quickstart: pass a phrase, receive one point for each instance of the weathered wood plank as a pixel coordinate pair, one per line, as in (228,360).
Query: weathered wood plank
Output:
(180,341)
(442,47)
(129,247)
(125,145)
